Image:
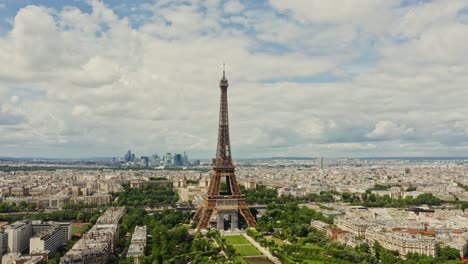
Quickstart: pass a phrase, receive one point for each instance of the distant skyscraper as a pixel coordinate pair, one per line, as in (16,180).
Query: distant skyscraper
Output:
(154,159)
(167,159)
(144,161)
(128,156)
(178,160)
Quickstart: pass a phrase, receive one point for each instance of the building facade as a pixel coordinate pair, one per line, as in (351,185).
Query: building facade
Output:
(50,239)
(19,234)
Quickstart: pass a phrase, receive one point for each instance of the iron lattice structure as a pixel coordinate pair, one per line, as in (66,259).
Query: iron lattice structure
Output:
(230,199)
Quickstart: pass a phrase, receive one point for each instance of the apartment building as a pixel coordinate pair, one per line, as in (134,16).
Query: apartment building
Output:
(19,234)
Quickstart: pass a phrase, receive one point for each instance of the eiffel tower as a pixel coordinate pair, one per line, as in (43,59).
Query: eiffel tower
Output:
(224,203)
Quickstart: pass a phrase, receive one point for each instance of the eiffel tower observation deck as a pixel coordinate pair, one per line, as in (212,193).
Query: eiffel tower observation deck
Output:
(223,202)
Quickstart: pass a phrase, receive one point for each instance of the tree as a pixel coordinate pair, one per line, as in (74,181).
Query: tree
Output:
(80,217)
(378,249)
(364,247)
(387,257)
(31,206)
(448,253)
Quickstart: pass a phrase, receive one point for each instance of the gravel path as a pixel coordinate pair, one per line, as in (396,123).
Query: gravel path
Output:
(262,249)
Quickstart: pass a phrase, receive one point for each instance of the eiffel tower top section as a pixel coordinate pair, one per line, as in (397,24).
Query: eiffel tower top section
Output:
(223,150)
(223,82)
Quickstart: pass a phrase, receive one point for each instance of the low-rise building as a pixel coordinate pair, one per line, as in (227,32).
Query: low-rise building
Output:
(98,243)
(19,191)
(351,225)
(414,230)
(404,243)
(99,199)
(319,225)
(138,244)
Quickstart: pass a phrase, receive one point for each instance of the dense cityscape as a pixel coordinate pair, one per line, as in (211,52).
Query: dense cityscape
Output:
(340,137)
(407,206)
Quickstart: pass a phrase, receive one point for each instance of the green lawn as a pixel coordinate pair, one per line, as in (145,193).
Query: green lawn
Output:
(247,250)
(76,229)
(242,245)
(235,240)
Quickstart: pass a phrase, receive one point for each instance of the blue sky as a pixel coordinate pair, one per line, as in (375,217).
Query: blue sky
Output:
(308,77)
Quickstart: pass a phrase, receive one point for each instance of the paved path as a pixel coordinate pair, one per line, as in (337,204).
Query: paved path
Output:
(262,249)
(183,194)
(222,252)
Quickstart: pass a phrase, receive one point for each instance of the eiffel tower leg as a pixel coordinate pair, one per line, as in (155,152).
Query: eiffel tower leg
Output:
(245,212)
(235,185)
(196,217)
(205,219)
(248,217)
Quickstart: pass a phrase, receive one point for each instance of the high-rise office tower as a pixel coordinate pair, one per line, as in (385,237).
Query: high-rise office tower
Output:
(178,160)
(128,156)
(144,161)
(167,158)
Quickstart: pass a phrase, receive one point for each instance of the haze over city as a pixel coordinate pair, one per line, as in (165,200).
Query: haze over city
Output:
(307,78)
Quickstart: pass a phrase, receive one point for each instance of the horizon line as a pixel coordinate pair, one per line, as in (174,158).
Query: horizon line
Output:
(248,158)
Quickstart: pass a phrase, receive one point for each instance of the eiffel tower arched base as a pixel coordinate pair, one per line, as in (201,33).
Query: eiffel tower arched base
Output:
(225,205)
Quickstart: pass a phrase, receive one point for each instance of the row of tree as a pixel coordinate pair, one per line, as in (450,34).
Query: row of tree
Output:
(150,195)
(62,215)
(370,199)
(265,195)
(22,206)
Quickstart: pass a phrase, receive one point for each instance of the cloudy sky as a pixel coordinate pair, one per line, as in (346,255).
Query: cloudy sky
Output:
(344,78)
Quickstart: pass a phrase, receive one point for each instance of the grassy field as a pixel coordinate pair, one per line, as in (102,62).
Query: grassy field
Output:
(247,250)
(235,240)
(242,246)
(77,227)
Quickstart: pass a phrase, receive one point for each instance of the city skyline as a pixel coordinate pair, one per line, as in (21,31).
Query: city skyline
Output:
(307,78)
